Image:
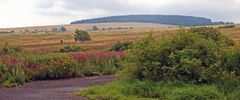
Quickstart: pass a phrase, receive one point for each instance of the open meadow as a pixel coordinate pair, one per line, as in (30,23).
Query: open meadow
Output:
(101,39)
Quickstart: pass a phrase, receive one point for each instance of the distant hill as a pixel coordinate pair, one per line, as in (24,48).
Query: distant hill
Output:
(160,19)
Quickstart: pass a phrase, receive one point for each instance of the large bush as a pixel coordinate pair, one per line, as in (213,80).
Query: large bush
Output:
(233,63)
(195,55)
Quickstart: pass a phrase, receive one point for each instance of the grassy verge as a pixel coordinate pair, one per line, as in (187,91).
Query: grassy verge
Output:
(145,90)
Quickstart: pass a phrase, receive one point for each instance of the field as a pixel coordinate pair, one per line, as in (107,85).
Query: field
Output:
(101,39)
(37,56)
(38,52)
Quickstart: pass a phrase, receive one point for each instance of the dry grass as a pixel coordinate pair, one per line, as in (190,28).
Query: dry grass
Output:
(101,40)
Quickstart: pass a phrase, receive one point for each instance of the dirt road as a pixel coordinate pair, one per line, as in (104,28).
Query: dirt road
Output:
(52,90)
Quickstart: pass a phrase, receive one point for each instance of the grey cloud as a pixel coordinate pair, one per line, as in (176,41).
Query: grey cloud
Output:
(45,4)
(55,13)
(113,6)
(216,9)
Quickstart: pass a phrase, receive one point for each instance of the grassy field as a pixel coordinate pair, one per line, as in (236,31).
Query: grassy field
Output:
(101,39)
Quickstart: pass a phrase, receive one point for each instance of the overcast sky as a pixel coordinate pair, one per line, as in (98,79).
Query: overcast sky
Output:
(19,13)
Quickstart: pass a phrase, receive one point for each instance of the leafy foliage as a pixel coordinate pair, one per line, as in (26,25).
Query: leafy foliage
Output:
(213,34)
(81,35)
(233,64)
(194,56)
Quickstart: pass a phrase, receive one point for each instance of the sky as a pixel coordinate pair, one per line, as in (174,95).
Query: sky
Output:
(21,13)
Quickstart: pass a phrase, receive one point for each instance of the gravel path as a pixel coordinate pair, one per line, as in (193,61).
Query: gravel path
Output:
(52,90)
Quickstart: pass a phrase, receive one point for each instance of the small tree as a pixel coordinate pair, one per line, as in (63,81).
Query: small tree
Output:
(54,30)
(81,35)
(94,28)
(62,29)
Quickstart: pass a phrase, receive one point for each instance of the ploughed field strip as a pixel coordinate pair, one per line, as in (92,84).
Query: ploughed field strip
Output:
(53,89)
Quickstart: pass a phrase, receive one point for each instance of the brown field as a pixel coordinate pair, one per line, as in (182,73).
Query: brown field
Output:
(101,39)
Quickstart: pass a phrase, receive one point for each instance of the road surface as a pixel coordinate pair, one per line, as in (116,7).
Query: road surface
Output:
(52,90)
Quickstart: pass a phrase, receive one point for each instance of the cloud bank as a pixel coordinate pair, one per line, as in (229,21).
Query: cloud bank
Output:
(16,13)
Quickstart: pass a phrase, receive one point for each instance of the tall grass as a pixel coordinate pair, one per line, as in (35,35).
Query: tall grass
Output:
(98,63)
(11,71)
(17,69)
(147,90)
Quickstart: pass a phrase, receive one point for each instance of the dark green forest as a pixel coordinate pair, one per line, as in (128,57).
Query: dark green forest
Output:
(160,19)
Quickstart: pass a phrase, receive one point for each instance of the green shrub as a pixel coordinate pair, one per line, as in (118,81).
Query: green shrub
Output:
(188,57)
(121,46)
(233,64)
(72,48)
(212,34)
